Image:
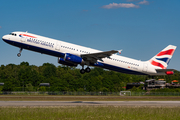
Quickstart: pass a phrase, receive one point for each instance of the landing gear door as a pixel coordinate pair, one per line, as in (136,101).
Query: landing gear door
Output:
(145,67)
(57,46)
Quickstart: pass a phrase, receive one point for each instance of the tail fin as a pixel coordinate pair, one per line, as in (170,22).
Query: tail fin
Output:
(161,60)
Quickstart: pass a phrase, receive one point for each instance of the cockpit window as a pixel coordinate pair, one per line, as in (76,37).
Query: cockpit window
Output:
(12,34)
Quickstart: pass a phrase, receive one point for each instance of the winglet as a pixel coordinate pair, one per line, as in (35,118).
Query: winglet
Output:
(119,51)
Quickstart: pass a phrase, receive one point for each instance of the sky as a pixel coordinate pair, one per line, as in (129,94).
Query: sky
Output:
(142,28)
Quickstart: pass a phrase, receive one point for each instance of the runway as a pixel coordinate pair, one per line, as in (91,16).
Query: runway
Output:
(88,103)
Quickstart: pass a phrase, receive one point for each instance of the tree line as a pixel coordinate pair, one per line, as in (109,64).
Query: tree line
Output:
(25,77)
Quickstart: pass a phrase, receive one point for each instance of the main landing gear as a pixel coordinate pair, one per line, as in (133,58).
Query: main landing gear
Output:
(19,54)
(82,71)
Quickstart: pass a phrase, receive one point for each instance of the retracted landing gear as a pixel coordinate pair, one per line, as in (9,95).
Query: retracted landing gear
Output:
(19,54)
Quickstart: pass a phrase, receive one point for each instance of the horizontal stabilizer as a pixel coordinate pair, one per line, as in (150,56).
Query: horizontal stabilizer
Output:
(165,70)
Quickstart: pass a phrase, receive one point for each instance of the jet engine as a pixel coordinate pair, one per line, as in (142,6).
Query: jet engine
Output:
(62,61)
(74,59)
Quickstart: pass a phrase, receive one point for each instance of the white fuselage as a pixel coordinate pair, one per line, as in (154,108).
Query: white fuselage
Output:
(58,48)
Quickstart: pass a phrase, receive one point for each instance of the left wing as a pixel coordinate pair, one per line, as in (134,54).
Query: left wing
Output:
(98,56)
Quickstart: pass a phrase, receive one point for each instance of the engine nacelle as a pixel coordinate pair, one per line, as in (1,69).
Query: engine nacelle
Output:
(169,72)
(74,59)
(62,61)
(98,64)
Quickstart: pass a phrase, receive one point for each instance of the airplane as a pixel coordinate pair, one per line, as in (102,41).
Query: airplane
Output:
(72,55)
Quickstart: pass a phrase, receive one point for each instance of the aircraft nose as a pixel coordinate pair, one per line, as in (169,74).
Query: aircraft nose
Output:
(4,37)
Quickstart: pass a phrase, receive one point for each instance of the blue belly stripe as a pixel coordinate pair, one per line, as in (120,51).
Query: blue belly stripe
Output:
(59,54)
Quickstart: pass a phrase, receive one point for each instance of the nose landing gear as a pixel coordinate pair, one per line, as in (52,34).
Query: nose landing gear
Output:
(19,54)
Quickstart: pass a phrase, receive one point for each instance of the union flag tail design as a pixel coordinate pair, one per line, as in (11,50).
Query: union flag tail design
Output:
(161,60)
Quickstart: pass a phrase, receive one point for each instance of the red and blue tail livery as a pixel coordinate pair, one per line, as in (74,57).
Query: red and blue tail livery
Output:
(72,55)
(162,59)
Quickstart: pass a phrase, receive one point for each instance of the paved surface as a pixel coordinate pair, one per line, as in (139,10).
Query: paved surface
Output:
(90,103)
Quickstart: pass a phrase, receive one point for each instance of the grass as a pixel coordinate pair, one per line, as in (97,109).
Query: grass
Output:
(87,98)
(90,113)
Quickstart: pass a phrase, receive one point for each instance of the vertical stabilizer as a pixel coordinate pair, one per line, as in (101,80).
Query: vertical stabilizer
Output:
(162,59)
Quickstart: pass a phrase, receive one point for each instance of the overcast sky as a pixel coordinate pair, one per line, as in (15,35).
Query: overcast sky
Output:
(141,28)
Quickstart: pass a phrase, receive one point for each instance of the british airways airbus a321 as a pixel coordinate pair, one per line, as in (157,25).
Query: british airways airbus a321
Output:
(72,55)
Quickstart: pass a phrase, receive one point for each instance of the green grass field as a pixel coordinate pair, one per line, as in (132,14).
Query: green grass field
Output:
(90,113)
(86,98)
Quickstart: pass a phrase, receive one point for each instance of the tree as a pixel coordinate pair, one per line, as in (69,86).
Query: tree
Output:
(49,70)
(62,78)
(29,87)
(24,63)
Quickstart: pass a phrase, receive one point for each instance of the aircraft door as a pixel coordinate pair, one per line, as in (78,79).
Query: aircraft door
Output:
(58,46)
(145,67)
(23,39)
